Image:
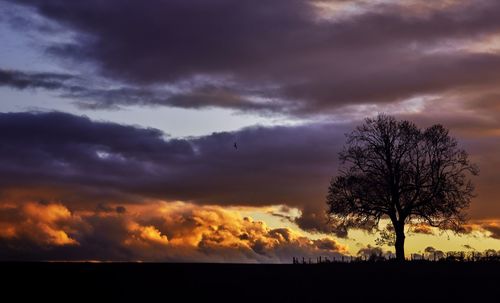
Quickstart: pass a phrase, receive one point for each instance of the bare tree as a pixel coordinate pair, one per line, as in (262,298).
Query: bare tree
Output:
(392,169)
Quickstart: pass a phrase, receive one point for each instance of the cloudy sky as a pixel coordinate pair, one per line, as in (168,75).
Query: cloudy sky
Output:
(118,120)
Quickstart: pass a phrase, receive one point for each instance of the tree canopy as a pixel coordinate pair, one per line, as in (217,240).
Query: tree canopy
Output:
(393,169)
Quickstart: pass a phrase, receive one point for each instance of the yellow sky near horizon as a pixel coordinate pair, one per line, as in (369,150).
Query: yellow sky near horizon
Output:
(414,242)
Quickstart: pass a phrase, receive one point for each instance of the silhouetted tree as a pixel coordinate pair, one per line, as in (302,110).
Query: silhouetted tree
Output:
(392,169)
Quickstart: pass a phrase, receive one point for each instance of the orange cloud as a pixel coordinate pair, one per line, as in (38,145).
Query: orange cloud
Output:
(156,231)
(421,229)
(491,228)
(45,224)
(145,234)
(220,233)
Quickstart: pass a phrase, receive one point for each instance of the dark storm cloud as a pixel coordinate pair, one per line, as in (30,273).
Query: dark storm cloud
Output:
(175,39)
(282,49)
(79,161)
(89,164)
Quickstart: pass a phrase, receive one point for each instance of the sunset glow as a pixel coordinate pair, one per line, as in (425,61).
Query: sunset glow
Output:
(208,131)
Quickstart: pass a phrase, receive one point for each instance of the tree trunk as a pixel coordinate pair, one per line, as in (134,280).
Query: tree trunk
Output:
(400,241)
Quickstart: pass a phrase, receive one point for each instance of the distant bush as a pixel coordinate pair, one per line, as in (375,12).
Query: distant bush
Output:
(489,255)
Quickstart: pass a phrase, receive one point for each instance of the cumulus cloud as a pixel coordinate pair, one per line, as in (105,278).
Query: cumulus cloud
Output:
(40,223)
(76,160)
(158,231)
(89,164)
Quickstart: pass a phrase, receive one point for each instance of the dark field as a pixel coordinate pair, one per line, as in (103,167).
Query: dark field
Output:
(161,282)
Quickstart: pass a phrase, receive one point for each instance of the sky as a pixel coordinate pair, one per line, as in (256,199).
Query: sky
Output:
(118,121)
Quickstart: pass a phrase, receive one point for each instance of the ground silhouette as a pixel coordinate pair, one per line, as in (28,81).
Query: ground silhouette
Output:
(335,282)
